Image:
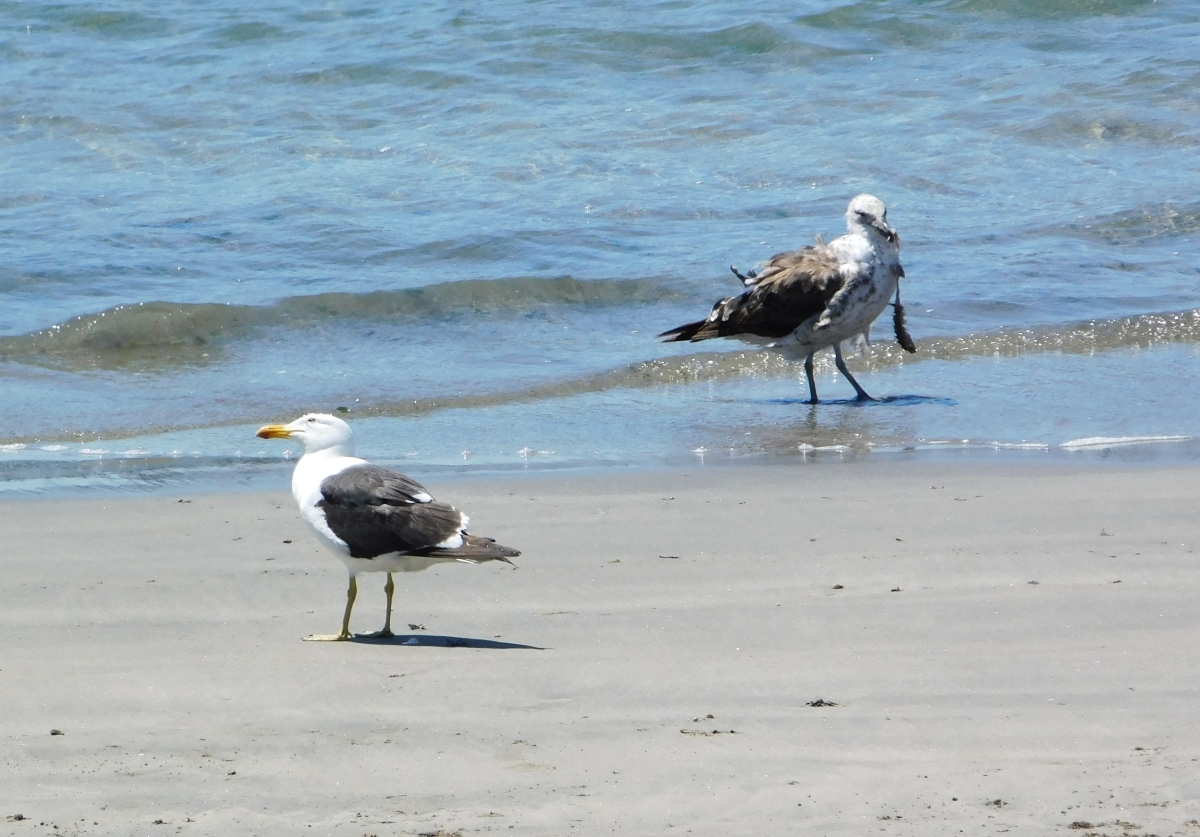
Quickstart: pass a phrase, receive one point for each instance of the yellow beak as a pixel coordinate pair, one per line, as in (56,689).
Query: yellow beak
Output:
(274,431)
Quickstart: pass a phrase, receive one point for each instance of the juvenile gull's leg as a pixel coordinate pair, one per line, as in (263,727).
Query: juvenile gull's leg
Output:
(812,385)
(841,365)
(351,594)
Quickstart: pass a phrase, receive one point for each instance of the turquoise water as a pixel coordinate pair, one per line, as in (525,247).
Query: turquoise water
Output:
(464,227)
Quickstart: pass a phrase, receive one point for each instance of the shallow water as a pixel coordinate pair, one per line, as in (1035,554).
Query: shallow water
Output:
(465,227)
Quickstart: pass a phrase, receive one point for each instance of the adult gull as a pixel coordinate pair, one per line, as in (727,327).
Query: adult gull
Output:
(805,300)
(373,518)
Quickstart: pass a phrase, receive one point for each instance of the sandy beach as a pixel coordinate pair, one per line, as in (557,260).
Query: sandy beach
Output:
(881,647)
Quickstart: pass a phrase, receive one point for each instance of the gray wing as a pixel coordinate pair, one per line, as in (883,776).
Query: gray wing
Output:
(373,485)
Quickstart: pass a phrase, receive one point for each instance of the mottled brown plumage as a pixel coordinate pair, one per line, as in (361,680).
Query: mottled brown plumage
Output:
(816,297)
(789,289)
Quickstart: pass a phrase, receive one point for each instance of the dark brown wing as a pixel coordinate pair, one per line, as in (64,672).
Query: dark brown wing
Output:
(377,511)
(376,530)
(790,288)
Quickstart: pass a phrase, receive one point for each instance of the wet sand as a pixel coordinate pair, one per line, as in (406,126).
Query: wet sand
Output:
(989,648)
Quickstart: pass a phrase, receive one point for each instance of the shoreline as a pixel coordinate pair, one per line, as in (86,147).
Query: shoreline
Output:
(150,476)
(162,634)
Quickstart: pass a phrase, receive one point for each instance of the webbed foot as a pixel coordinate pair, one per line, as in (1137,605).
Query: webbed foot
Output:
(384,634)
(342,637)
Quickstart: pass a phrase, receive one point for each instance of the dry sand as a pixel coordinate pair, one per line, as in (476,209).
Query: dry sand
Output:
(648,668)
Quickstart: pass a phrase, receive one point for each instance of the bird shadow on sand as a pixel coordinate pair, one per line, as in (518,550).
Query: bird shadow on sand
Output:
(890,400)
(435,641)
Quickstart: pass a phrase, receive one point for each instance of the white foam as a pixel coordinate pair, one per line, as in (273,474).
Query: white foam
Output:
(1118,441)
(17,446)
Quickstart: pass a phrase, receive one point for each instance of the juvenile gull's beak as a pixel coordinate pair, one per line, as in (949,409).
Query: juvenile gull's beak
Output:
(881,227)
(274,431)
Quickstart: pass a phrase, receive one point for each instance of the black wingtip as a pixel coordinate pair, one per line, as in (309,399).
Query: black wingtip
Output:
(682,333)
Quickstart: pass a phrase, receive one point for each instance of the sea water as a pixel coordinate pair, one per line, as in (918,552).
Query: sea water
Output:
(461,226)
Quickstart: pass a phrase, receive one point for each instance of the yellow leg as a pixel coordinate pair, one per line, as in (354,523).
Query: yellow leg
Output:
(351,595)
(389,587)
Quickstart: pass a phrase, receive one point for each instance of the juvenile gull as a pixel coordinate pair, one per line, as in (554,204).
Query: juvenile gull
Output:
(805,300)
(374,519)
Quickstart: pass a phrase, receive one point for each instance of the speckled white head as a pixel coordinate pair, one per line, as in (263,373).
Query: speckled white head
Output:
(316,432)
(867,215)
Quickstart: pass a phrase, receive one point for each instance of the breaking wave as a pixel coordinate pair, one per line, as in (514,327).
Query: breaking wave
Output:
(1091,337)
(1143,331)
(166,332)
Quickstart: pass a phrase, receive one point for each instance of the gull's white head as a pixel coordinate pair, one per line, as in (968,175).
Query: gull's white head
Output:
(316,432)
(867,215)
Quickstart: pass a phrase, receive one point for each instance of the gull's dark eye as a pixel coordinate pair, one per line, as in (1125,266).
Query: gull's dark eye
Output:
(312,421)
